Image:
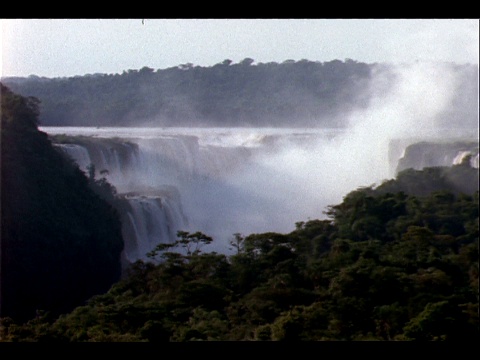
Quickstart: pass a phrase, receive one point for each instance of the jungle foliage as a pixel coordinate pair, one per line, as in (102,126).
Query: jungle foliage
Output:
(288,94)
(393,262)
(60,239)
(383,266)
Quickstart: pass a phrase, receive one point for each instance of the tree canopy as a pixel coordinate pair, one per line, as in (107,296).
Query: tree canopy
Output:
(60,241)
(394,262)
(384,266)
(288,94)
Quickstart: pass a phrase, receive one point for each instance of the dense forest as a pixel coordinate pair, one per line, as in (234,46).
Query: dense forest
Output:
(394,262)
(289,94)
(398,261)
(385,266)
(60,239)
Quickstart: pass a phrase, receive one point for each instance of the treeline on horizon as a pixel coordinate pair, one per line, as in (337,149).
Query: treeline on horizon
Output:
(288,94)
(394,262)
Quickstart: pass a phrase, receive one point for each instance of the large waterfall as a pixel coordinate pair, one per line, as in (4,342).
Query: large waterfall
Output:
(225,181)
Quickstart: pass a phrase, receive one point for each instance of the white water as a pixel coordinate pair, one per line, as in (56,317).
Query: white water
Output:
(218,181)
(244,180)
(474,160)
(227,181)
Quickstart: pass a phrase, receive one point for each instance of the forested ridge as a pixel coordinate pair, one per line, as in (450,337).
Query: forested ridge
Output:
(394,262)
(61,240)
(385,267)
(289,94)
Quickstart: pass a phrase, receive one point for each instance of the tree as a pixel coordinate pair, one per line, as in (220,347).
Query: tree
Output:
(238,243)
(56,233)
(18,112)
(439,321)
(247,62)
(191,242)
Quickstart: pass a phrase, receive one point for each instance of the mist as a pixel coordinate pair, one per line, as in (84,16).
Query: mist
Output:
(254,180)
(298,181)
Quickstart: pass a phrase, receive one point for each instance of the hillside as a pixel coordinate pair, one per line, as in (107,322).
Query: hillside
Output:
(385,266)
(398,261)
(288,94)
(60,241)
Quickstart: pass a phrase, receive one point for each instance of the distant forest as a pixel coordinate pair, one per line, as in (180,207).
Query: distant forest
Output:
(395,262)
(288,94)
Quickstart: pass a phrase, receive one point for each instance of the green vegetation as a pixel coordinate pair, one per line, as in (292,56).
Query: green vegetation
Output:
(288,94)
(385,266)
(395,262)
(60,240)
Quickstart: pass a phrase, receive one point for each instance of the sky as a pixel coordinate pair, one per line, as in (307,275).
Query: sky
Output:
(76,47)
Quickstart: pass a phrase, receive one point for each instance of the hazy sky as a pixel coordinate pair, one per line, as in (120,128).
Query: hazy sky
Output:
(69,47)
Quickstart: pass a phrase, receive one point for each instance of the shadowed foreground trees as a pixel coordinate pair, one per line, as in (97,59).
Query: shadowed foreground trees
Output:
(385,266)
(60,242)
(396,262)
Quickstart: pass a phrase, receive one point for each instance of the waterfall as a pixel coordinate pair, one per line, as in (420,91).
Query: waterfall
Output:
(475,161)
(462,154)
(151,219)
(226,181)
(78,153)
(150,174)
(418,155)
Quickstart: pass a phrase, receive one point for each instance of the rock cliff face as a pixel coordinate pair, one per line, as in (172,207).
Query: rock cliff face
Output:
(442,153)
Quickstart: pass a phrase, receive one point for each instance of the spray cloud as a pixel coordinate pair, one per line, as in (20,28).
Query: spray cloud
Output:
(254,180)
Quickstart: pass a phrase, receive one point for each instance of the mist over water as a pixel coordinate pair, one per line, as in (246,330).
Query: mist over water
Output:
(254,180)
(301,180)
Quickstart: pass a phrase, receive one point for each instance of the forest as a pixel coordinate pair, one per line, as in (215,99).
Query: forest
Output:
(289,94)
(60,239)
(395,262)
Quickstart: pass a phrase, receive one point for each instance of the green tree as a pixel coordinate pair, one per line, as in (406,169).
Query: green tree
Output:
(53,224)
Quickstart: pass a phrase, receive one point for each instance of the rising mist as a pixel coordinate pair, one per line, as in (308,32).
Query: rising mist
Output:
(299,180)
(253,180)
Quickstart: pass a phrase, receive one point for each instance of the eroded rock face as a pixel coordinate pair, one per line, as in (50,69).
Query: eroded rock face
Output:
(429,154)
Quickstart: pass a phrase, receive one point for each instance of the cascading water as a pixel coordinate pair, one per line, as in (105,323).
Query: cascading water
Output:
(461,156)
(150,173)
(227,181)
(426,154)
(78,153)
(151,219)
